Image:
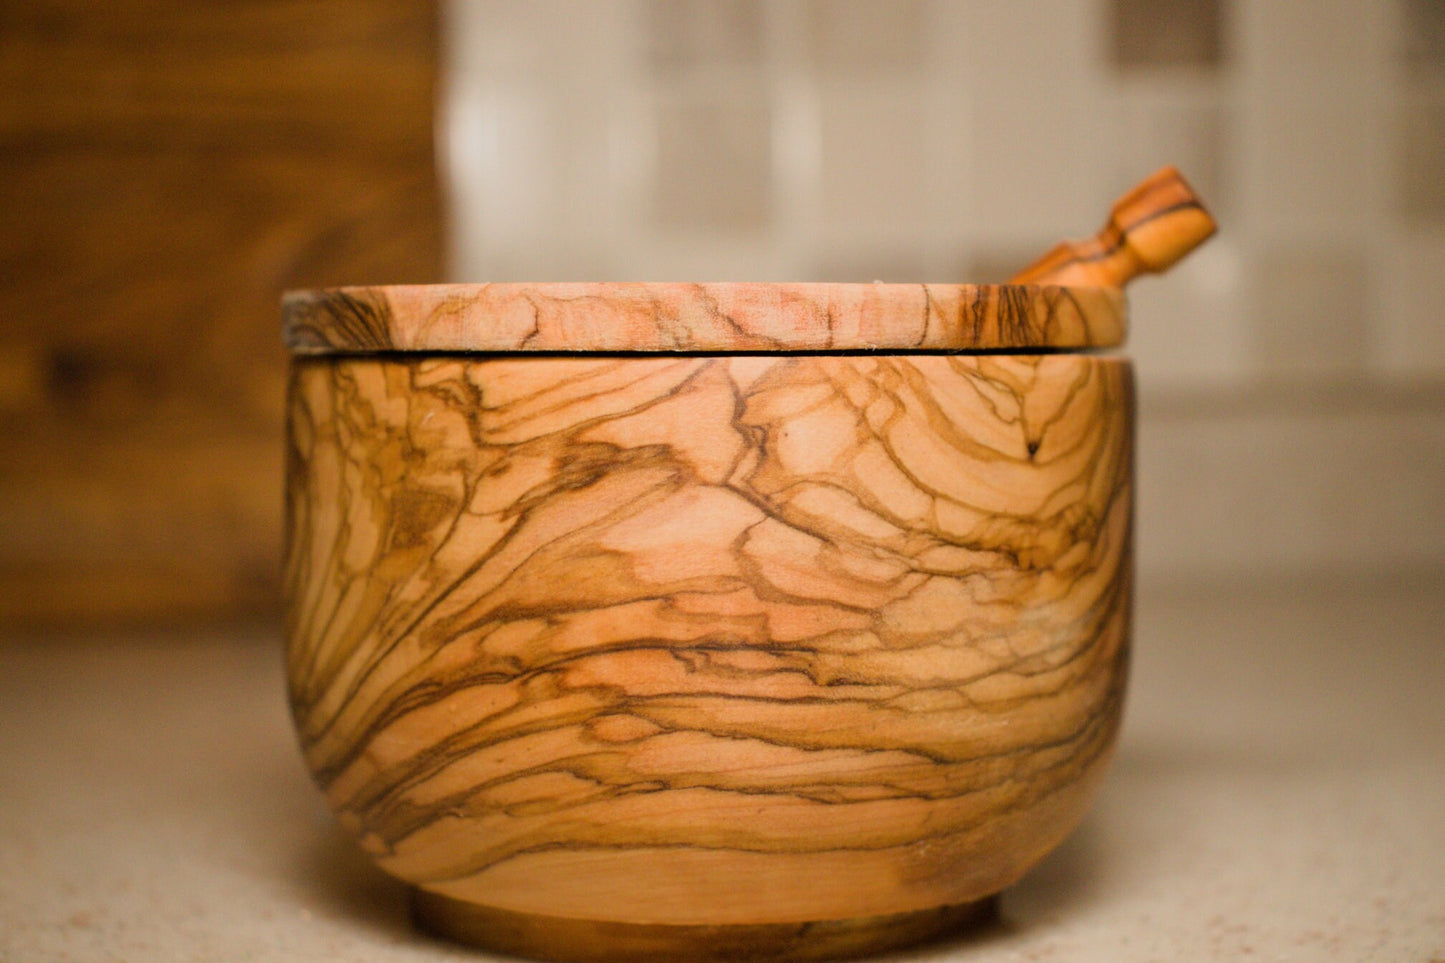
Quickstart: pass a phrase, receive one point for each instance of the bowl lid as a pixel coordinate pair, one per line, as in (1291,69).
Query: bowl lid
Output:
(722,317)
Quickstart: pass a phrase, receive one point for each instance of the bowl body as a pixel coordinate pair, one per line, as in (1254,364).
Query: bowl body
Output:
(697,644)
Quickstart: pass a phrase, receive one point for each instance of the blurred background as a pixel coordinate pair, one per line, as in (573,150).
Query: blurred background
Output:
(167,168)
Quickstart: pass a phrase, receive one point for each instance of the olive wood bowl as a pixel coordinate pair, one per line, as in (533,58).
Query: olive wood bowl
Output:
(711,621)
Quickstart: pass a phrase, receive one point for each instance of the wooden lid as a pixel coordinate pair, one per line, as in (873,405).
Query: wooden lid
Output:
(724,317)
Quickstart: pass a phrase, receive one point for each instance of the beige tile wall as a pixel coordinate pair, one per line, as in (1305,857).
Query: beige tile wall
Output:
(1293,370)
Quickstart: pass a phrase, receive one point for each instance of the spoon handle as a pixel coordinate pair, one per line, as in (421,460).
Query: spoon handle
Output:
(1149,228)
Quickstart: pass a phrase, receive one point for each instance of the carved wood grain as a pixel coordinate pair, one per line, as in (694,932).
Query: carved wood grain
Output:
(709,640)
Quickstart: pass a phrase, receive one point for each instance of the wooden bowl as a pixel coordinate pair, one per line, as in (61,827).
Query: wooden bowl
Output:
(800,629)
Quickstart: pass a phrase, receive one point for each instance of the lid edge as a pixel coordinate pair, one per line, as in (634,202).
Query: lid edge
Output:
(722,317)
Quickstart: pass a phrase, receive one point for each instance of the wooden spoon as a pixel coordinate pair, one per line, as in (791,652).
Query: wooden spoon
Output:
(1149,228)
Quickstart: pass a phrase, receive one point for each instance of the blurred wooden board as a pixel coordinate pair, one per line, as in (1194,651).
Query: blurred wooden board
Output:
(166,170)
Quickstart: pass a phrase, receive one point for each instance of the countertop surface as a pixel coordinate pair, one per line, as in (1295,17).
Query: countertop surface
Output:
(1278,794)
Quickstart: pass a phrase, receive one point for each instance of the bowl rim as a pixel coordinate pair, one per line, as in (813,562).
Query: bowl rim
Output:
(712,317)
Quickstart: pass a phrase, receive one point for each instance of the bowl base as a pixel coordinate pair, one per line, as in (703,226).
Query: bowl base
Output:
(598,941)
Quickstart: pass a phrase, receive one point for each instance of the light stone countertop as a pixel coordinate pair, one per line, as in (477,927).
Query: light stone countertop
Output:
(1278,794)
